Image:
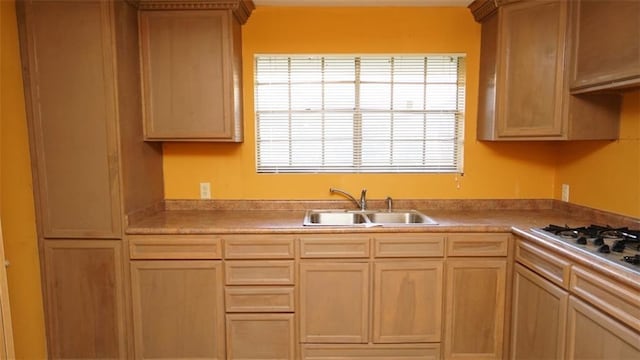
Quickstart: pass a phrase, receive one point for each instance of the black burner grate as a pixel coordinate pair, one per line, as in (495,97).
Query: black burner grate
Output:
(622,237)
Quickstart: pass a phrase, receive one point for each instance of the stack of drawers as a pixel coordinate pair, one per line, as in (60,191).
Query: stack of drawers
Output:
(260,296)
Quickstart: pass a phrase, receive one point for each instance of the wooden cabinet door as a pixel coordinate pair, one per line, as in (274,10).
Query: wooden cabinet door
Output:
(178,309)
(531,61)
(593,335)
(84,299)
(475,306)
(69,79)
(187,75)
(261,336)
(334,302)
(407,305)
(539,313)
(606,44)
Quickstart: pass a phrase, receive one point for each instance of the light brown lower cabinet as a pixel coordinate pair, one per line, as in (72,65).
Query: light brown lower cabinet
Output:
(407,302)
(593,335)
(360,300)
(178,309)
(371,351)
(84,298)
(475,308)
(334,302)
(261,336)
(378,298)
(260,300)
(538,317)
(261,322)
(562,310)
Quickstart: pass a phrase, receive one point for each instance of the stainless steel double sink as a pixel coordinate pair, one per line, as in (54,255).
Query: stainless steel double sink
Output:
(365,218)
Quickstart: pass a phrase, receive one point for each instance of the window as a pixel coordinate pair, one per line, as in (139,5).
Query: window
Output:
(359,114)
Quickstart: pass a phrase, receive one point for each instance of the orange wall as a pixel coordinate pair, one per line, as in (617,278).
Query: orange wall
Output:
(491,170)
(604,174)
(16,198)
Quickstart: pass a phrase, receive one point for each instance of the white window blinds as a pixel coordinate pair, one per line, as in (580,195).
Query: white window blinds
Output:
(359,113)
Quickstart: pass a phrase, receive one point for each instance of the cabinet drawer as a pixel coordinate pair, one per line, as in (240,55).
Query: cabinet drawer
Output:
(544,263)
(368,351)
(259,272)
(259,299)
(174,247)
(258,247)
(618,300)
(261,336)
(334,247)
(477,244)
(409,245)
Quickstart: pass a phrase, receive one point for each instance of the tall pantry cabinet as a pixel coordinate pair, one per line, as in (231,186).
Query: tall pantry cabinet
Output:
(90,165)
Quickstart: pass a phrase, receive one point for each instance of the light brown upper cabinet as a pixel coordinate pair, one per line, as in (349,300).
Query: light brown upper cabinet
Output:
(524,81)
(72,110)
(606,45)
(83,106)
(191,65)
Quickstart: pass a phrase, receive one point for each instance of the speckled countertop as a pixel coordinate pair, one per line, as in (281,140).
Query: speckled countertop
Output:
(258,217)
(202,217)
(290,221)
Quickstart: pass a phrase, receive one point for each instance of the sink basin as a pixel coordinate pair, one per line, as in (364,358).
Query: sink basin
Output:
(366,218)
(406,217)
(334,218)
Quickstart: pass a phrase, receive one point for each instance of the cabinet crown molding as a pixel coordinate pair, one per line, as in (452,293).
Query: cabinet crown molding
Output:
(482,9)
(241,8)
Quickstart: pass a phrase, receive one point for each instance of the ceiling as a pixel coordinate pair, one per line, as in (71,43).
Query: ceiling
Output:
(362,2)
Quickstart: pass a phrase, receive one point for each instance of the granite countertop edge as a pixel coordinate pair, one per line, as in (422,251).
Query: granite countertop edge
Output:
(518,221)
(198,217)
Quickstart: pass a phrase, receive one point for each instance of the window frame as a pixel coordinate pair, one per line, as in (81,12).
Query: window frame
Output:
(457,141)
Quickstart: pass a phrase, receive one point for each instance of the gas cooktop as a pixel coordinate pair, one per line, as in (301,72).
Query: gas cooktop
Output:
(619,246)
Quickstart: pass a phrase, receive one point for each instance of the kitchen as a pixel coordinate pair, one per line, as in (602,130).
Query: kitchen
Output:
(492,170)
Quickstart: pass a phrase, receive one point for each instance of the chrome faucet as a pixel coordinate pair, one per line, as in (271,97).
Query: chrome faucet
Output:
(389,204)
(362,204)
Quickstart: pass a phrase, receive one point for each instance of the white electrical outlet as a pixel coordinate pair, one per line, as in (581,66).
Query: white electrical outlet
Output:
(565,192)
(205,190)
